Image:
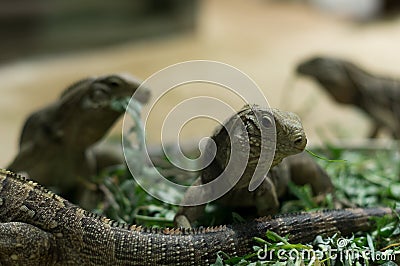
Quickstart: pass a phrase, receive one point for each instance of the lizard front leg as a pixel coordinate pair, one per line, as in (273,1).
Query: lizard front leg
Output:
(266,198)
(273,187)
(304,170)
(25,244)
(188,214)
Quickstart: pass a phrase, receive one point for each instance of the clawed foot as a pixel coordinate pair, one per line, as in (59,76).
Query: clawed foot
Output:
(182,221)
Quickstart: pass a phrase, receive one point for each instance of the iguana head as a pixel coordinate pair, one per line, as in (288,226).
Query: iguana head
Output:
(288,138)
(335,75)
(99,92)
(84,111)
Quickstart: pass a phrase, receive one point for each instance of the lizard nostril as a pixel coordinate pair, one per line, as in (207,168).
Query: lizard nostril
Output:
(299,142)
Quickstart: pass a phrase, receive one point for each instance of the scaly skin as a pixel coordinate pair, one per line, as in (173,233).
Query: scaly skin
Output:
(56,144)
(38,227)
(377,96)
(290,140)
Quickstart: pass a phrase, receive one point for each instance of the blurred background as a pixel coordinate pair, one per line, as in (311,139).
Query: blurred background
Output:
(47,45)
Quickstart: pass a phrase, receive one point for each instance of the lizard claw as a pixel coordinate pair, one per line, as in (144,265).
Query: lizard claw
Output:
(182,221)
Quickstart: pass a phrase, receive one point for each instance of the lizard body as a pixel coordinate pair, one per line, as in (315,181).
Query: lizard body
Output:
(56,143)
(38,227)
(290,140)
(377,96)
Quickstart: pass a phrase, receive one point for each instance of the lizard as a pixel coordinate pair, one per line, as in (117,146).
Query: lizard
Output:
(347,83)
(38,227)
(57,142)
(290,140)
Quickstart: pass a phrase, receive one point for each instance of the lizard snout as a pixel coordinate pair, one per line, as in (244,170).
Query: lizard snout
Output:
(300,142)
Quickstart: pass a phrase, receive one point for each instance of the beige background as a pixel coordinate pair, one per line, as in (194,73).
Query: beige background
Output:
(264,39)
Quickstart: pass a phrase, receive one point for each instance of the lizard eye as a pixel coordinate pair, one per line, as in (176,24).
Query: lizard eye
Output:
(114,82)
(266,121)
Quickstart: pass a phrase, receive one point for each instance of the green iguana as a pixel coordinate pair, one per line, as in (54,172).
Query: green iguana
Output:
(290,140)
(38,227)
(377,96)
(57,142)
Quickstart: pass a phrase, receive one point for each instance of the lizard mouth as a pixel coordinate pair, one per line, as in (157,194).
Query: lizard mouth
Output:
(298,149)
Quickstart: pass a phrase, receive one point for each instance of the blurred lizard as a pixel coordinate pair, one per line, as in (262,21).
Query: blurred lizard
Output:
(377,96)
(290,140)
(57,142)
